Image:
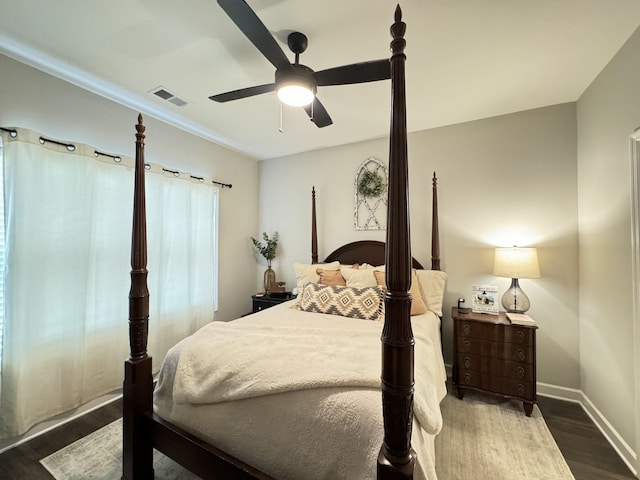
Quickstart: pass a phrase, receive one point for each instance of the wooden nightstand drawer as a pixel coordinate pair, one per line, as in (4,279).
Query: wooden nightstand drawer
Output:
(495,333)
(497,368)
(503,351)
(500,385)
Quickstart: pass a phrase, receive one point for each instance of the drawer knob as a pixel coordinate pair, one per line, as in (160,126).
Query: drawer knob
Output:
(520,372)
(521,355)
(467,362)
(466,329)
(520,336)
(521,389)
(467,378)
(467,345)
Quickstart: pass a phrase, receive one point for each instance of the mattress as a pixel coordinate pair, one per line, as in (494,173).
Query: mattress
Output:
(323,431)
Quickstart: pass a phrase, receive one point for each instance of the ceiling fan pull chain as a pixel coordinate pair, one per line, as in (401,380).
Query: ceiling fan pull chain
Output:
(281,130)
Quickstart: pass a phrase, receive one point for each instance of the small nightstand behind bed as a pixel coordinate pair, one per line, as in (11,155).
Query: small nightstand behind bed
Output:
(494,356)
(260,302)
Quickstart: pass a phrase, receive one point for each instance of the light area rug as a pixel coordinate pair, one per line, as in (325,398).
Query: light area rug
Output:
(490,438)
(483,438)
(98,456)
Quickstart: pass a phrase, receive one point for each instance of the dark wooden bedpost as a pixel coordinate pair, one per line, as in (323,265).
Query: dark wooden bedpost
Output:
(314,230)
(435,232)
(396,459)
(137,452)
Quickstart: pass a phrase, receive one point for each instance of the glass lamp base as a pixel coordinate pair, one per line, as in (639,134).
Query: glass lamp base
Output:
(514,299)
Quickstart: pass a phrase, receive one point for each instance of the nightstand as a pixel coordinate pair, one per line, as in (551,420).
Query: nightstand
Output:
(260,302)
(492,355)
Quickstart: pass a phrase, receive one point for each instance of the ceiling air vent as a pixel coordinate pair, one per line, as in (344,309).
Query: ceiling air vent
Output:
(165,94)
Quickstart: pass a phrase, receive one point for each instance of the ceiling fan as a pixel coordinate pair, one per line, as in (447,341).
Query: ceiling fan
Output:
(296,84)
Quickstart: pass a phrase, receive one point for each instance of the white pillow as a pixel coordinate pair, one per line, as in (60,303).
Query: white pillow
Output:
(364,266)
(432,283)
(359,278)
(306,273)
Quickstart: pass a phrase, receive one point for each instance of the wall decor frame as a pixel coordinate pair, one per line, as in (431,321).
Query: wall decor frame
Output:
(370,195)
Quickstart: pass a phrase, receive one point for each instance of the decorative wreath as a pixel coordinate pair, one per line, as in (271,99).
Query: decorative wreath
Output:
(370,184)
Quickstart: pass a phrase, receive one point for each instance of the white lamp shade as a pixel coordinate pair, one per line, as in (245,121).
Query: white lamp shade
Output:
(514,262)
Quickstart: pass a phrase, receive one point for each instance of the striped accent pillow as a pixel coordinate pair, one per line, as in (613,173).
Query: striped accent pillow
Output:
(365,303)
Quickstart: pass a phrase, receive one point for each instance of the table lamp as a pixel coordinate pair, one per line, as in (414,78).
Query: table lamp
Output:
(515,263)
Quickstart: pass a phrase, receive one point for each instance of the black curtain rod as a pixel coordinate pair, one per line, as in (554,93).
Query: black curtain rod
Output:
(71,147)
(10,131)
(115,158)
(176,173)
(228,185)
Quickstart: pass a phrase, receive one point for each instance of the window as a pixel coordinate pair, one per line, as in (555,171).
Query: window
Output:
(68,239)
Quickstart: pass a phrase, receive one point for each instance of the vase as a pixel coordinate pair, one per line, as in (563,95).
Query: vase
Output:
(269,279)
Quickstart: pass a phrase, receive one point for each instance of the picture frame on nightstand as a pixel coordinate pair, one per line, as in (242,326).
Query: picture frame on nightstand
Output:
(484,299)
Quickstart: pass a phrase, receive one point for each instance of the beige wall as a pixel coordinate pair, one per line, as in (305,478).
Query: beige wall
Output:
(502,180)
(32,99)
(608,113)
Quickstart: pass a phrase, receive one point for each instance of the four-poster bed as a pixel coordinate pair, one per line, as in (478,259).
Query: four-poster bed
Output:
(186,419)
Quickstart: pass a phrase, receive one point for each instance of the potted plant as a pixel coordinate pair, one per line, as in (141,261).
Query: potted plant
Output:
(267,248)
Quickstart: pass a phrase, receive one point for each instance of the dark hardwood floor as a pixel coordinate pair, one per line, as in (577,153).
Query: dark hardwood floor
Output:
(23,462)
(587,452)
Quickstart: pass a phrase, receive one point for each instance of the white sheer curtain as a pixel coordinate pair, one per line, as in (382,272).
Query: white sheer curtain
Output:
(68,237)
(1,260)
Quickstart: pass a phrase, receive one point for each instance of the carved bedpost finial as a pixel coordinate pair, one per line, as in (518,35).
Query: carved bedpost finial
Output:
(435,180)
(398,30)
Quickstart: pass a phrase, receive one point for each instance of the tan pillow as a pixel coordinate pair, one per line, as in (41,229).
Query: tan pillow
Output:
(432,284)
(418,307)
(306,273)
(330,277)
(359,278)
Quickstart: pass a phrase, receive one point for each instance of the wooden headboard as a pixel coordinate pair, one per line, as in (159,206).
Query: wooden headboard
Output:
(363,251)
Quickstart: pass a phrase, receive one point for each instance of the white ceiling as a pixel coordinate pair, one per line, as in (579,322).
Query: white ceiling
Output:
(466,59)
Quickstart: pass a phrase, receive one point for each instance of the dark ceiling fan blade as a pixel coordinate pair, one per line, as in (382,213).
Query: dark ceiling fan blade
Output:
(247,21)
(243,93)
(318,114)
(355,73)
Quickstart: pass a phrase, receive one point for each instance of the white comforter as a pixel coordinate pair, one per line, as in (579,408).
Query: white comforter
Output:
(305,401)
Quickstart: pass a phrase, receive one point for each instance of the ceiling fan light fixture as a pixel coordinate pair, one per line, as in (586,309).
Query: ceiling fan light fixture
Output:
(296,88)
(295,95)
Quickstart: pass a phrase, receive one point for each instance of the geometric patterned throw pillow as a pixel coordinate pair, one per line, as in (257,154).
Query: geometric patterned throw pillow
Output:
(365,303)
